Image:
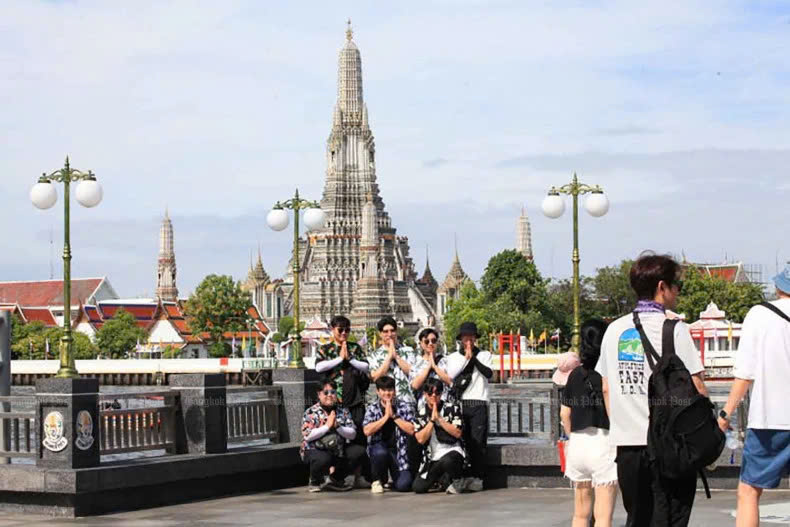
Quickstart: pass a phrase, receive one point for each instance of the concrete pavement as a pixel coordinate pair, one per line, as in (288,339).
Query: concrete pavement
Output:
(496,508)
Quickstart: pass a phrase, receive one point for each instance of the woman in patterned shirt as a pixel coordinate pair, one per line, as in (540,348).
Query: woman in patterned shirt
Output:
(431,365)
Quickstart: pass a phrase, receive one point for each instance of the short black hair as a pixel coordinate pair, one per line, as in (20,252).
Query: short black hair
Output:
(323,381)
(650,269)
(591,336)
(339,321)
(386,321)
(433,384)
(424,332)
(385,383)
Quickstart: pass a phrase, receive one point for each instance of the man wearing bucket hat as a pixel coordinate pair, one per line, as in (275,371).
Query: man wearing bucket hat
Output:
(470,370)
(763,364)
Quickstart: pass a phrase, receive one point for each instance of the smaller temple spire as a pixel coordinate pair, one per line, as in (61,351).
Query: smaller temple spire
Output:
(524,235)
(349,31)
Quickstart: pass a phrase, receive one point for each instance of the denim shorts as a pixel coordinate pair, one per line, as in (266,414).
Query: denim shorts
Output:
(766,457)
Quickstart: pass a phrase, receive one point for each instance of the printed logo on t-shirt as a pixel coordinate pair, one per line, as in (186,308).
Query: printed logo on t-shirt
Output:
(629,347)
(631,363)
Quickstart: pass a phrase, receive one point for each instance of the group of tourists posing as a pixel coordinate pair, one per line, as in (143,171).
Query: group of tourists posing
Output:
(636,409)
(634,406)
(428,428)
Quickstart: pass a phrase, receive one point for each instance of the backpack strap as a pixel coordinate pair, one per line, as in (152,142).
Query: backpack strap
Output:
(650,351)
(705,483)
(668,337)
(775,309)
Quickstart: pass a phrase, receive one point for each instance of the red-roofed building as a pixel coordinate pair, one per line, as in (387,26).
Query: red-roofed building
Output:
(732,272)
(48,295)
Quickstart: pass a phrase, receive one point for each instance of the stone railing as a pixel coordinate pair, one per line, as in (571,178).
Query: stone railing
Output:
(137,422)
(257,418)
(517,411)
(17,427)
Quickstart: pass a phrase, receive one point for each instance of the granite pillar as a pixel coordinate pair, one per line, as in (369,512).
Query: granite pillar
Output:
(299,393)
(67,421)
(203,424)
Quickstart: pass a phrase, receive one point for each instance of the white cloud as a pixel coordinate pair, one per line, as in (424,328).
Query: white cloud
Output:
(219,109)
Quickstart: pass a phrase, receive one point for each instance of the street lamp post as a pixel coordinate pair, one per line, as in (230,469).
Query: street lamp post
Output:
(43,195)
(597,205)
(278,220)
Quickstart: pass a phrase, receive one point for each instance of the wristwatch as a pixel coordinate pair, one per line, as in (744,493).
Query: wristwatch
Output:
(723,415)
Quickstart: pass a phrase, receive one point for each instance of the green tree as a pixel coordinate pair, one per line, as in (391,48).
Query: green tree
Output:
(30,341)
(612,290)
(285,328)
(218,306)
(560,310)
(508,274)
(699,289)
(118,336)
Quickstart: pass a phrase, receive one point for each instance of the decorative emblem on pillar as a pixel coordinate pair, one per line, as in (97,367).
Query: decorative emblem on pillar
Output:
(53,432)
(84,430)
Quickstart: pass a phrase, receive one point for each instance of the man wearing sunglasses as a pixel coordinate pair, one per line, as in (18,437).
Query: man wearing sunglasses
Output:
(648,498)
(344,363)
(327,430)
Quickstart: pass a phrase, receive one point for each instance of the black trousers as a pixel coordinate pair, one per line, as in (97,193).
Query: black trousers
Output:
(321,460)
(650,499)
(452,464)
(475,436)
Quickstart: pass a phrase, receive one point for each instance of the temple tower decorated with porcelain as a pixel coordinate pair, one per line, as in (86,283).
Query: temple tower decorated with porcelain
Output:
(358,246)
(166,289)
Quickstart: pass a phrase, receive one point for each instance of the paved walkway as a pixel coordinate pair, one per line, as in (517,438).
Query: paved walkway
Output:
(496,508)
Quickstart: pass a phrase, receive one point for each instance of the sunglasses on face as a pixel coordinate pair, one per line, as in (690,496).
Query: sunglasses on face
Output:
(329,392)
(385,330)
(429,341)
(343,330)
(433,393)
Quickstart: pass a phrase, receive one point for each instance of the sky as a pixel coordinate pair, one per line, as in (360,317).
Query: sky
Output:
(680,110)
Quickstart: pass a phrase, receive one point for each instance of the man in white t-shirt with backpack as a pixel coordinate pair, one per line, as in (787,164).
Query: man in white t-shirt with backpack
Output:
(648,498)
(763,364)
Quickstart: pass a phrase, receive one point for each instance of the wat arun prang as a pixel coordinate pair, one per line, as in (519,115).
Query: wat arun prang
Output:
(357,265)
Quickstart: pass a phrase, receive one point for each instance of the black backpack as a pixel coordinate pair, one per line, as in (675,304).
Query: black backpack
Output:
(683,436)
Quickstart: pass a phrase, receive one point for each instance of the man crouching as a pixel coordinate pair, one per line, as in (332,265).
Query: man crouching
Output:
(439,426)
(388,424)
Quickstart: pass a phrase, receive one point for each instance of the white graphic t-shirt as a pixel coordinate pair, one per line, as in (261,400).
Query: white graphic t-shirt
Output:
(624,366)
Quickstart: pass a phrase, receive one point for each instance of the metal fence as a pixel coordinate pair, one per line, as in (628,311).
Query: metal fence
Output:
(145,421)
(257,418)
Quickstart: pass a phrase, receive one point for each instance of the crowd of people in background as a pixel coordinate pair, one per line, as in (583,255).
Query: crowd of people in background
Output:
(634,407)
(426,431)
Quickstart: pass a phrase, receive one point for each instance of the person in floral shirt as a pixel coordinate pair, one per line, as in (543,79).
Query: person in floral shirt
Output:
(326,431)
(430,365)
(388,425)
(439,425)
(393,360)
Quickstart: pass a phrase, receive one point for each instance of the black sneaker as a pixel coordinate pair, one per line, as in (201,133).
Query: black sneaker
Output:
(336,486)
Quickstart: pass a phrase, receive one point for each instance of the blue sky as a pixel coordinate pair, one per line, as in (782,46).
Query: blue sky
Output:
(680,110)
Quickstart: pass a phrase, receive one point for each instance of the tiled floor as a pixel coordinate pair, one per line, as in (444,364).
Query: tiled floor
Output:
(497,508)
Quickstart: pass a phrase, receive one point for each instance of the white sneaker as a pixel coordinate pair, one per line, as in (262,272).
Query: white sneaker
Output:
(474,485)
(361,483)
(376,488)
(456,487)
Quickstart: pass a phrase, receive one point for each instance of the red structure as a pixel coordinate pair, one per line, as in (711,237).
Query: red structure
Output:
(509,343)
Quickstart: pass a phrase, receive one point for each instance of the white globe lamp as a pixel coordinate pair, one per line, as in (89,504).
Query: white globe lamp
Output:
(553,206)
(89,193)
(597,204)
(277,219)
(43,195)
(314,218)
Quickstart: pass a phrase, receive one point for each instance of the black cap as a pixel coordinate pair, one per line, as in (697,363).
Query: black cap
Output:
(467,328)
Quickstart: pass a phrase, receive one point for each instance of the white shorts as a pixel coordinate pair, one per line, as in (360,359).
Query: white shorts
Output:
(590,458)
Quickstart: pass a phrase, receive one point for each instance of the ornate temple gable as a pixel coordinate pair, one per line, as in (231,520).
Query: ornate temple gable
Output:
(166,289)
